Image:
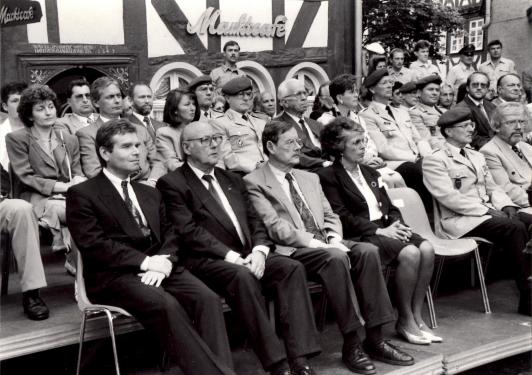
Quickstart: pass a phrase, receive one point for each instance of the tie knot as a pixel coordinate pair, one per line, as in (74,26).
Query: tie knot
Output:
(462,152)
(289,177)
(124,184)
(245,117)
(208,178)
(301,121)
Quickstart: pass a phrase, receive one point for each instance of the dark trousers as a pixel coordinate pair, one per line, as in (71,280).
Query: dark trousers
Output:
(168,312)
(285,280)
(413,176)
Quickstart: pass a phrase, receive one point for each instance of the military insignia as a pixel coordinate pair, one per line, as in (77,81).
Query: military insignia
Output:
(373,184)
(457,183)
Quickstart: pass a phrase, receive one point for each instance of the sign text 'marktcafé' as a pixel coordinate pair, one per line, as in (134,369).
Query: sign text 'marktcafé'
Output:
(207,23)
(14,13)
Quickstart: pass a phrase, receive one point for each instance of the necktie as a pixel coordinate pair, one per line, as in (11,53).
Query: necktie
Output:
(133,210)
(462,152)
(304,211)
(389,110)
(212,190)
(89,120)
(305,130)
(245,118)
(148,123)
(483,110)
(438,110)
(518,152)
(207,114)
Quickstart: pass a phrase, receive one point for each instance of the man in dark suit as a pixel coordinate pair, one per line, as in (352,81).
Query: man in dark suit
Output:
(228,248)
(130,258)
(481,110)
(142,104)
(292,96)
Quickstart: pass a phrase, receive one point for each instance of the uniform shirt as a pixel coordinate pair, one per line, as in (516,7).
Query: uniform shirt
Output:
(420,70)
(494,72)
(223,74)
(458,74)
(404,75)
(374,209)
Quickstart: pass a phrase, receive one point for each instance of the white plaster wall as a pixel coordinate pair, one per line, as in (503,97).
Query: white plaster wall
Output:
(38,32)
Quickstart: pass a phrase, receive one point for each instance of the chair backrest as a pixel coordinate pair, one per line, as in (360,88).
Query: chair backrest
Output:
(409,203)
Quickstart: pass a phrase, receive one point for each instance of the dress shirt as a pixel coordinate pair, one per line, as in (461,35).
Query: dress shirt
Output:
(404,75)
(494,72)
(141,119)
(117,183)
(5,129)
(375,212)
(480,105)
(85,120)
(231,255)
(420,70)
(313,138)
(223,74)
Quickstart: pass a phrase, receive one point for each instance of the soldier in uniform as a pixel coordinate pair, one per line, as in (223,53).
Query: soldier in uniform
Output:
(409,91)
(203,88)
(242,148)
(458,74)
(471,204)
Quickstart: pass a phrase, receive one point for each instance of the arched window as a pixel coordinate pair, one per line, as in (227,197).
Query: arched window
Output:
(312,76)
(259,75)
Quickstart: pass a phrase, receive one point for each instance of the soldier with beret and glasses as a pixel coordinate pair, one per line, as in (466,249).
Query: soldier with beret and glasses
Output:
(203,88)
(470,203)
(458,74)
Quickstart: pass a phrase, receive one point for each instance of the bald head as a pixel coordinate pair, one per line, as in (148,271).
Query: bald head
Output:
(201,145)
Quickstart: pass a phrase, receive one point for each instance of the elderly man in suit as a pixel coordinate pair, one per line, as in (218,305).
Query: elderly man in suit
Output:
(508,89)
(481,109)
(292,97)
(142,105)
(228,248)
(130,258)
(470,203)
(107,97)
(80,103)
(242,148)
(507,156)
(300,220)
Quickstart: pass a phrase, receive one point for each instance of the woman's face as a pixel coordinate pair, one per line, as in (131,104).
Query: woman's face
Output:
(186,109)
(354,146)
(44,114)
(350,98)
(381,65)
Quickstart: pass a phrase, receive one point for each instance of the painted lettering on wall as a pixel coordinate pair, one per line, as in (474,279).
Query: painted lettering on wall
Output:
(72,49)
(208,22)
(15,12)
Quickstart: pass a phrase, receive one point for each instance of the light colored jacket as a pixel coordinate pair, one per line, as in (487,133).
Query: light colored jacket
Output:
(424,118)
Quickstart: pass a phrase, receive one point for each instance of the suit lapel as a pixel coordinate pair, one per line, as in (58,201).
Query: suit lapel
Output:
(346,181)
(373,184)
(34,143)
(508,153)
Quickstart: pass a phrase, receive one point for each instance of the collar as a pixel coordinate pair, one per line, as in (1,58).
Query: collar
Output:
(423,65)
(83,118)
(227,68)
(199,173)
(235,114)
(453,148)
(279,174)
(104,119)
(392,71)
(380,106)
(295,118)
(464,67)
(476,102)
(115,180)
(502,60)
(139,116)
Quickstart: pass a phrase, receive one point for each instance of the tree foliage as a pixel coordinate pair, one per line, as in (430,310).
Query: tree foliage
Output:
(400,23)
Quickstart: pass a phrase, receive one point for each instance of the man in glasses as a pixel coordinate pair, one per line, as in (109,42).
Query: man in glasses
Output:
(481,109)
(496,65)
(80,103)
(458,74)
(242,148)
(228,248)
(470,203)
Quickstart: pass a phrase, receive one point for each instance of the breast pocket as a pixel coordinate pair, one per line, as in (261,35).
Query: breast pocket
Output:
(387,128)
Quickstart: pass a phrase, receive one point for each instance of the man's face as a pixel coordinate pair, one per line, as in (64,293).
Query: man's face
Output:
(241,102)
(422,54)
(231,54)
(510,88)
(467,58)
(383,89)
(410,98)
(478,87)
(124,156)
(142,100)
(267,103)
(397,98)
(80,100)
(446,97)
(296,100)
(511,130)
(201,145)
(430,94)
(495,51)
(110,102)
(11,105)
(204,93)
(398,60)
(461,134)
(287,149)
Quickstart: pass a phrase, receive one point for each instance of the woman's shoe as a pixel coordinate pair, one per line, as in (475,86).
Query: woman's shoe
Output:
(429,335)
(411,338)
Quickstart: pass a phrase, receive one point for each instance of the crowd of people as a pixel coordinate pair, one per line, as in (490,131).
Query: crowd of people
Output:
(239,194)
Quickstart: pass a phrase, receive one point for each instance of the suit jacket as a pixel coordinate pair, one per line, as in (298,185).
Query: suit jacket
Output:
(89,158)
(311,156)
(464,189)
(108,237)
(38,171)
(203,226)
(280,216)
(424,118)
(348,202)
(483,132)
(156,124)
(509,171)
(71,123)
(242,149)
(169,156)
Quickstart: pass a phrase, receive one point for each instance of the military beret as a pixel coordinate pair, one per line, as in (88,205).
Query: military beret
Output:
(470,48)
(408,87)
(454,116)
(375,77)
(375,48)
(432,78)
(198,81)
(397,85)
(236,85)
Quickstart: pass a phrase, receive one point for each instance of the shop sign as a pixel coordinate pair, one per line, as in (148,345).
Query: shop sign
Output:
(19,12)
(208,22)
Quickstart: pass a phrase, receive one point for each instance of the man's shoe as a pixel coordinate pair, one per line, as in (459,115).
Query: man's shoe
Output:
(385,352)
(34,306)
(304,370)
(356,360)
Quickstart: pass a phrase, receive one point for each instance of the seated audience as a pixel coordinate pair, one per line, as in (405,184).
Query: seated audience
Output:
(322,102)
(357,195)
(79,99)
(228,248)
(301,222)
(130,258)
(459,73)
(508,89)
(470,203)
(264,106)
(446,99)
(142,104)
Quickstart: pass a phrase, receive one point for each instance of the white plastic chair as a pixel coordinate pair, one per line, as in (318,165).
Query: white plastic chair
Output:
(414,214)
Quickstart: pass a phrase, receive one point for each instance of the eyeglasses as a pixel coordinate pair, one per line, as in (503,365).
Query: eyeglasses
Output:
(514,123)
(245,94)
(299,94)
(479,84)
(471,125)
(293,143)
(208,140)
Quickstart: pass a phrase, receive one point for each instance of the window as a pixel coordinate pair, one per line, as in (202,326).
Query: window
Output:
(312,75)
(456,42)
(476,33)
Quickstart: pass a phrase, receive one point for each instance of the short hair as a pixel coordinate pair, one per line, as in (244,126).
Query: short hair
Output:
(282,90)
(499,81)
(394,51)
(131,89)
(340,84)
(170,111)
(445,84)
(504,109)
(30,96)
(272,131)
(421,44)
(105,134)
(12,88)
(468,82)
(231,43)
(332,138)
(101,83)
(495,42)
(77,82)
(374,61)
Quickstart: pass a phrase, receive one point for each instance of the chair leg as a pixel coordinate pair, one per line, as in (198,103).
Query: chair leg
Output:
(81,339)
(113,341)
(432,310)
(439,270)
(483,289)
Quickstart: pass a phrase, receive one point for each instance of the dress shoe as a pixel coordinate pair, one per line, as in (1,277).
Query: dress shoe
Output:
(429,335)
(34,306)
(385,352)
(356,360)
(411,338)
(303,370)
